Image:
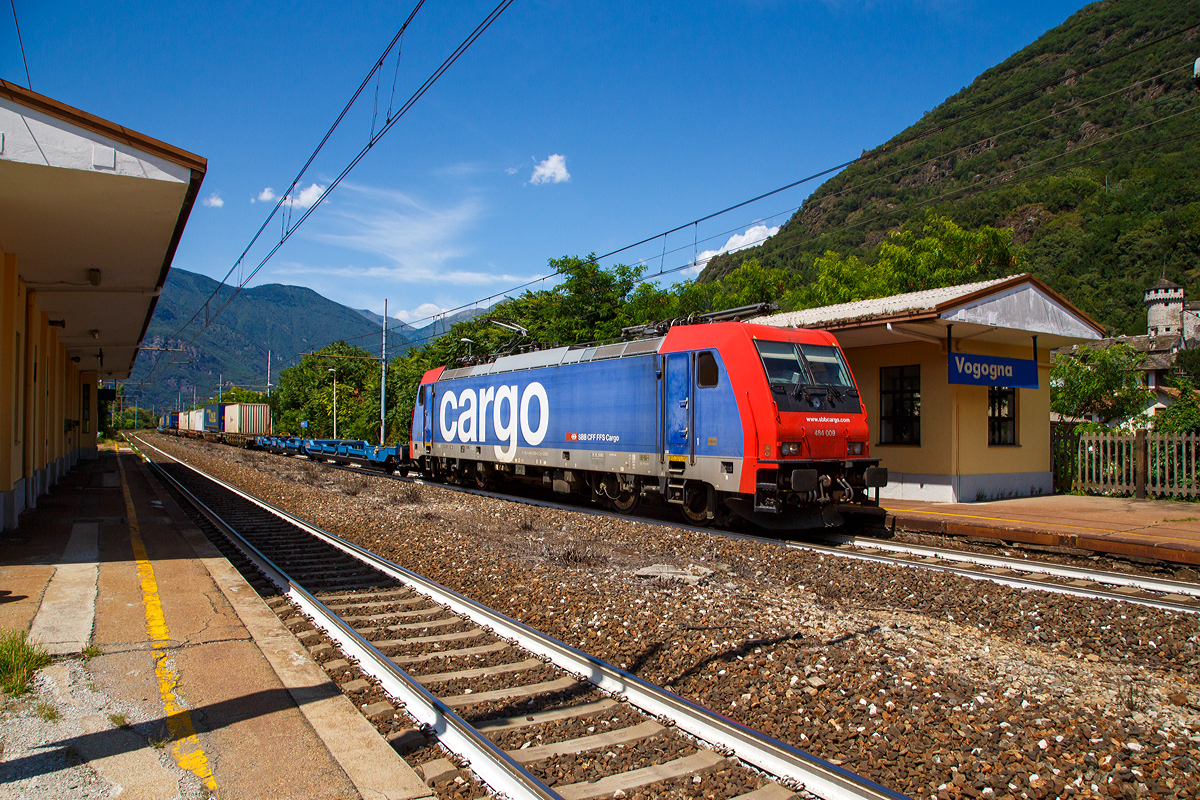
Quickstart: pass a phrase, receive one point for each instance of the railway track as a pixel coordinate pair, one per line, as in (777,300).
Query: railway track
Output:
(532,716)
(1017,573)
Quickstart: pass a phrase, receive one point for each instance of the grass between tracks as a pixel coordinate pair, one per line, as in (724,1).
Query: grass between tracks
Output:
(20,659)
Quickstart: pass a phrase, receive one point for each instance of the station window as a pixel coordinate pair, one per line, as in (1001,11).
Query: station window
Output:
(1002,416)
(706,370)
(900,405)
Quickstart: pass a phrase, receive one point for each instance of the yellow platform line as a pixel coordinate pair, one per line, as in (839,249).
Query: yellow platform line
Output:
(186,749)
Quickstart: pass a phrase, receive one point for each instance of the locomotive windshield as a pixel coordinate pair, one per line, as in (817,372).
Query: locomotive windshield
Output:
(807,376)
(792,365)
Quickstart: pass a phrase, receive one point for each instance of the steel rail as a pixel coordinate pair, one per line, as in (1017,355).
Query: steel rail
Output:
(490,763)
(1017,565)
(1150,584)
(1015,582)
(822,778)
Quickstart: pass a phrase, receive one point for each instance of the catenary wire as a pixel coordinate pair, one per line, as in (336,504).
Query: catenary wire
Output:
(877,179)
(941,197)
(483,26)
(21,42)
(875,155)
(852,187)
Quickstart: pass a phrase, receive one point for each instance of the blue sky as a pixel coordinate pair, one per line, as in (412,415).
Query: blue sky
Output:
(567,128)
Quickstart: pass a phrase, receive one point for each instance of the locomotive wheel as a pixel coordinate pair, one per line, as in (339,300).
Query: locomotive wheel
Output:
(696,512)
(483,480)
(628,502)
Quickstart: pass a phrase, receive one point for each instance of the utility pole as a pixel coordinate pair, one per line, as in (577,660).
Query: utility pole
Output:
(220,385)
(383,380)
(268,373)
(334,371)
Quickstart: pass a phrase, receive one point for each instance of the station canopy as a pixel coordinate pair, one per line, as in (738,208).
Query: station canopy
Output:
(93,212)
(1002,311)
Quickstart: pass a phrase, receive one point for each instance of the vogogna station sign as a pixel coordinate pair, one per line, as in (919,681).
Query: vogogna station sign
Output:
(1011,373)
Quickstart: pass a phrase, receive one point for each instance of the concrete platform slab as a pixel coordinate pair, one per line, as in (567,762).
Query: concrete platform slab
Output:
(214,689)
(1157,529)
(64,620)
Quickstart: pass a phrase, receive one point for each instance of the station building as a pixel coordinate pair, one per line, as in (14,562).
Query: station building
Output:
(956,383)
(90,216)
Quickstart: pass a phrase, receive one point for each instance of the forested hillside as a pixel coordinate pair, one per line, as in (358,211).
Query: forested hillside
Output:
(283,319)
(1097,176)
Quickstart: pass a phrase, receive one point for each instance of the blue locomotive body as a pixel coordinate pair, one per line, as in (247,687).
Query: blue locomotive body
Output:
(595,410)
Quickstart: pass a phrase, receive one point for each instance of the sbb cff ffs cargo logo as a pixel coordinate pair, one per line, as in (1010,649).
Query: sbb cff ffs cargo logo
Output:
(510,413)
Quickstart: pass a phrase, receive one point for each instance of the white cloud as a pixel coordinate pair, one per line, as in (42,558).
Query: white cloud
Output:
(417,243)
(511,170)
(739,241)
(214,200)
(305,198)
(552,170)
(422,314)
(297,198)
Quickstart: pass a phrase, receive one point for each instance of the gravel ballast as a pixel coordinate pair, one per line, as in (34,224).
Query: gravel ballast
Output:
(934,685)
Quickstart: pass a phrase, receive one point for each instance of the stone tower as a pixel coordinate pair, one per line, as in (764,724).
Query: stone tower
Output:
(1164,309)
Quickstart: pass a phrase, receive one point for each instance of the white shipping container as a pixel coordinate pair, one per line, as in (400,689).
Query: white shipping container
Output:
(196,421)
(253,419)
(185,421)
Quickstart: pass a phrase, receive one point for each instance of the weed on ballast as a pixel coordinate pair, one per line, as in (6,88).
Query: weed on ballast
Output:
(47,712)
(410,493)
(90,651)
(20,659)
(354,486)
(118,720)
(573,554)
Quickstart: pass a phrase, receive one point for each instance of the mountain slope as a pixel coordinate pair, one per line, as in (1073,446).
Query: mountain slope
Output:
(1098,176)
(285,320)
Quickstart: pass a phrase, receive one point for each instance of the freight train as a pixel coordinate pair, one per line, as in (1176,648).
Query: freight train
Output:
(720,420)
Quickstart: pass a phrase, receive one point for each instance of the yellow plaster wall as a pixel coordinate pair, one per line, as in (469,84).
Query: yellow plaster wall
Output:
(9,369)
(87,427)
(954,422)
(935,454)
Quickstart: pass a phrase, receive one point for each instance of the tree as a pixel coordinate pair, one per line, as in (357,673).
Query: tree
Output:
(1188,363)
(1182,416)
(1102,382)
(306,394)
(944,254)
(238,395)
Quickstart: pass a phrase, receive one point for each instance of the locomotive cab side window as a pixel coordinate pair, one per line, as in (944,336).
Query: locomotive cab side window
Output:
(707,374)
(421,396)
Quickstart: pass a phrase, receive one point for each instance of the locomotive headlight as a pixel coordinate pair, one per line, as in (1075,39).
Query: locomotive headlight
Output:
(854,448)
(790,448)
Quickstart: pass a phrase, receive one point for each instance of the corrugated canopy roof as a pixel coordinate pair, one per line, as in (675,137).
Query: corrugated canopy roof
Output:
(824,316)
(93,212)
(1004,310)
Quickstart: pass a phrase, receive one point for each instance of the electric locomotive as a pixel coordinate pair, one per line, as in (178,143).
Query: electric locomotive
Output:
(718,419)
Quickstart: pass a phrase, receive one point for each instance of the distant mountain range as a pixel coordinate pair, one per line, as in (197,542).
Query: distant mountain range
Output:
(436,328)
(285,321)
(1098,175)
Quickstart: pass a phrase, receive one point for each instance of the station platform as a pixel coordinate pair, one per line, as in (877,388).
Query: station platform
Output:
(1164,530)
(194,686)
